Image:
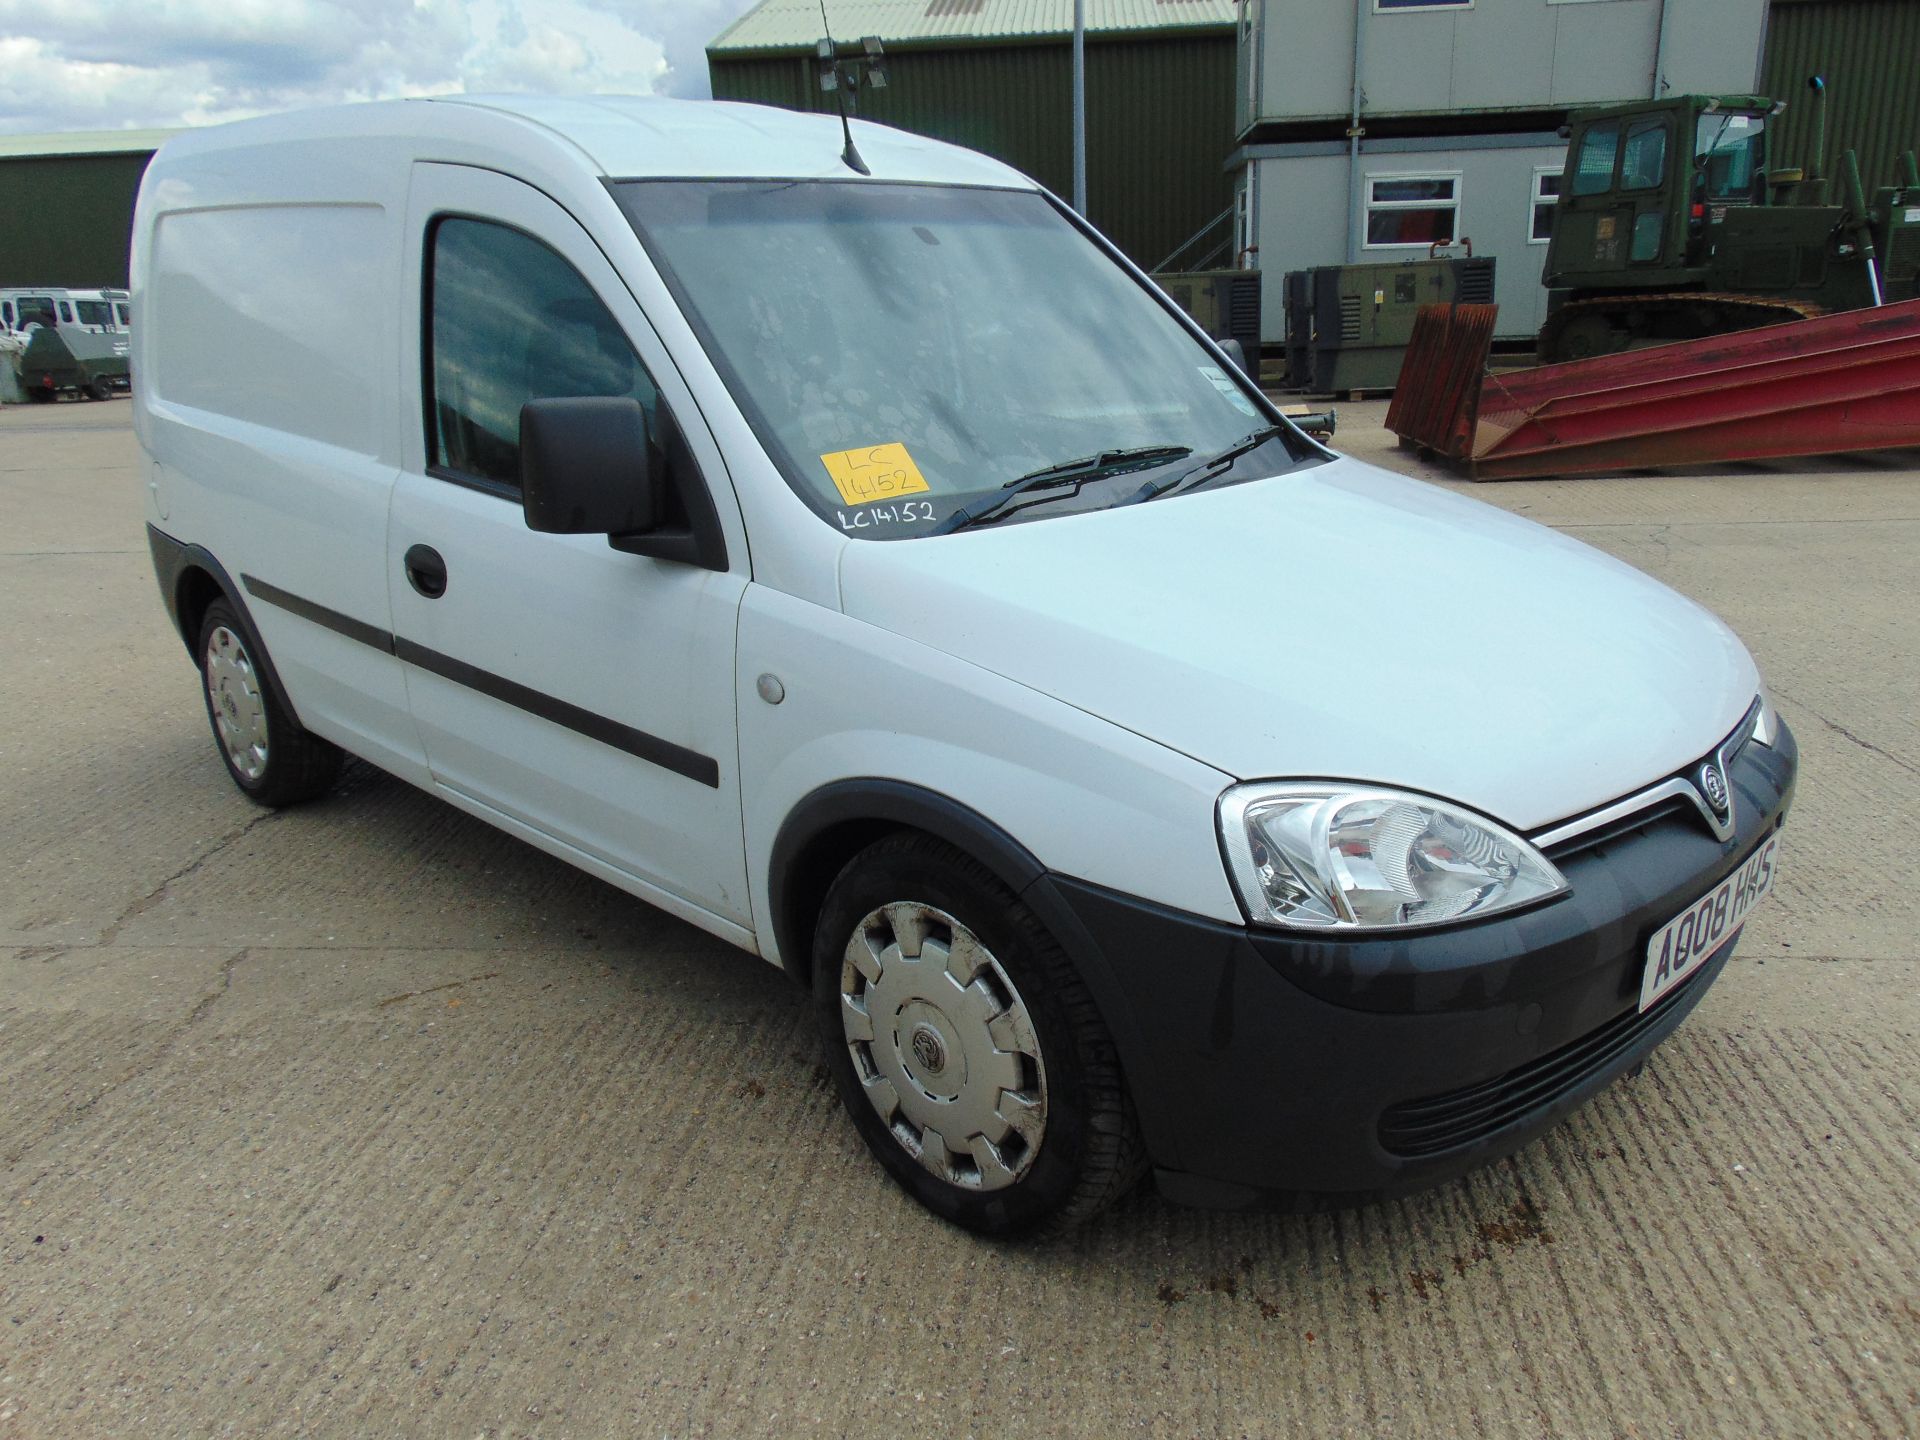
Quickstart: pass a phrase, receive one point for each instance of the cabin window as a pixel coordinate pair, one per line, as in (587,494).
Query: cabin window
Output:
(1643,163)
(1593,174)
(1412,210)
(1546,190)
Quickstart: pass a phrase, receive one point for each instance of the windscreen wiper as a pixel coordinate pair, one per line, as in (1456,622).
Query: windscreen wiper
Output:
(1067,475)
(1107,462)
(1211,468)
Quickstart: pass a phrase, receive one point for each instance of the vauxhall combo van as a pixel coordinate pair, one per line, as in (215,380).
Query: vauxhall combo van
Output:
(844,548)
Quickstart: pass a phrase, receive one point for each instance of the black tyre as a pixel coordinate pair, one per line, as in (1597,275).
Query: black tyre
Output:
(39,394)
(99,390)
(965,1046)
(270,755)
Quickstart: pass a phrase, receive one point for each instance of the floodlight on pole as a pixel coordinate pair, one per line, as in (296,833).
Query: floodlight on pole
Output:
(841,75)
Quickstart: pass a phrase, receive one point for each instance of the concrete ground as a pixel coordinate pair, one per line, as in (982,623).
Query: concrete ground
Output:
(362,1119)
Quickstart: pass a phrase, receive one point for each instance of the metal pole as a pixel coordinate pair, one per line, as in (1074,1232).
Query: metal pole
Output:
(1354,222)
(1080,107)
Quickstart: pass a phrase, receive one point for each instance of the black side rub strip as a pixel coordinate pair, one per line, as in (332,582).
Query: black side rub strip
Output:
(319,614)
(638,743)
(650,748)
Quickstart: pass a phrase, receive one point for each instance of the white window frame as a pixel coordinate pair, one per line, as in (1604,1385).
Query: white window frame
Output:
(1243,245)
(1556,171)
(1421,7)
(1368,206)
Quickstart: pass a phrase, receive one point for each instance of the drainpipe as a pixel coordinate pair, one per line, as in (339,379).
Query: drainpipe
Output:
(1360,8)
(1657,86)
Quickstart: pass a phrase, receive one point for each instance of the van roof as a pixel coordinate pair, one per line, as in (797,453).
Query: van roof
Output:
(631,137)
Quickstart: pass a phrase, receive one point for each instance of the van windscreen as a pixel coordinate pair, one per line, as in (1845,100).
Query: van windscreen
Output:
(903,351)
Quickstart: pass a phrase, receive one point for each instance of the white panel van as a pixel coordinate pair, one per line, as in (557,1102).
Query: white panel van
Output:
(871,567)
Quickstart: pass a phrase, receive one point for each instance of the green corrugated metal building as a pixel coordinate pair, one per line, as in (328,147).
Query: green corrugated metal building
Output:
(997,76)
(1869,53)
(68,203)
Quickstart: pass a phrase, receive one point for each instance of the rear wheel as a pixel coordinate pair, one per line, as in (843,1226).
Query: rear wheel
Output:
(100,389)
(965,1046)
(268,753)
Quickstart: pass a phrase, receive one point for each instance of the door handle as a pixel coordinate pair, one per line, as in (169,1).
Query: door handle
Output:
(426,571)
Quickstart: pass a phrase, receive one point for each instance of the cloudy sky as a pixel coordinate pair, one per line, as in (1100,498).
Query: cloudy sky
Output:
(114,64)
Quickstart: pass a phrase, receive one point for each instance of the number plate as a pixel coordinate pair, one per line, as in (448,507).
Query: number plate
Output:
(1682,945)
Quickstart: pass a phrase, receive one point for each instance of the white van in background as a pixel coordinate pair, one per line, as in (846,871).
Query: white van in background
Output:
(869,565)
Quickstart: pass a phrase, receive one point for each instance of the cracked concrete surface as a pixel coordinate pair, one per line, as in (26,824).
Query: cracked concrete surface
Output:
(374,1121)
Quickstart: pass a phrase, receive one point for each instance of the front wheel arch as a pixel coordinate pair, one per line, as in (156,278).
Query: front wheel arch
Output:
(837,821)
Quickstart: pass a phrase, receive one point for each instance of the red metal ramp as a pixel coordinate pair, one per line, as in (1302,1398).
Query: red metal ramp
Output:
(1832,384)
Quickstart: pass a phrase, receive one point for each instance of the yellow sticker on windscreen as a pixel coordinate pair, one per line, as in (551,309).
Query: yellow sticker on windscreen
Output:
(874,472)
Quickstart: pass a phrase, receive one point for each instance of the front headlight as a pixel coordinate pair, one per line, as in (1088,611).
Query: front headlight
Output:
(1347,857)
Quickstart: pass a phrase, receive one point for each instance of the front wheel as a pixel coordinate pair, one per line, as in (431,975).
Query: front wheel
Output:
(268,753)
(965,1046)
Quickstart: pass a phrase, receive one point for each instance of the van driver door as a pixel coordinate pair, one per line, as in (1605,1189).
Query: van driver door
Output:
(580,696)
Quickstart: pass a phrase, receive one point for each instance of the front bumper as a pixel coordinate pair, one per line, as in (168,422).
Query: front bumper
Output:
(1270,1067)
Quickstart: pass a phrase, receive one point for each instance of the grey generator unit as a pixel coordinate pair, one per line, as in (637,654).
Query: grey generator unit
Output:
(1224,303)
(1348,325)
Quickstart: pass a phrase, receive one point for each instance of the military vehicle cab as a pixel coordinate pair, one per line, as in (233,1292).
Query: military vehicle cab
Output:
(1670,225)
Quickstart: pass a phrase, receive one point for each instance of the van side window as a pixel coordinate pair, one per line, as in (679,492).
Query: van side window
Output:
(35,308)
(66,312)
(6,312)
(511,322)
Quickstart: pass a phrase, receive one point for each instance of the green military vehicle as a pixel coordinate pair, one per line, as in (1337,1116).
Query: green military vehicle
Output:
(1669,225)
(58,340)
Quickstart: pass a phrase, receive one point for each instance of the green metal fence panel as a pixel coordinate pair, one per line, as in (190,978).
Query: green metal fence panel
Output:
(69,218)
(1159,120)
(1869,52)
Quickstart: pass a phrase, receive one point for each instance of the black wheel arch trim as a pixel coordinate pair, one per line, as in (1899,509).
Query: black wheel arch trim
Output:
(172,559)
(885,804)
(895,804)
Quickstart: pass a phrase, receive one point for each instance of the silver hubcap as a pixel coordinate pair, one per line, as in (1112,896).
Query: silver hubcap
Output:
(239,712)
(944,1046)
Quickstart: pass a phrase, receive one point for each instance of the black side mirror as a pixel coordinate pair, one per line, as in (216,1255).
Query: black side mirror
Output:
(593,466)
(588,467)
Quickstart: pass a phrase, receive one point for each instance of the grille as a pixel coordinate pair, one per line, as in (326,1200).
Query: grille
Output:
(1656,808)
(1349,317)
(1440,1123)
(1476,282)
(1903,255)
(1671,811)
(1243,311)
